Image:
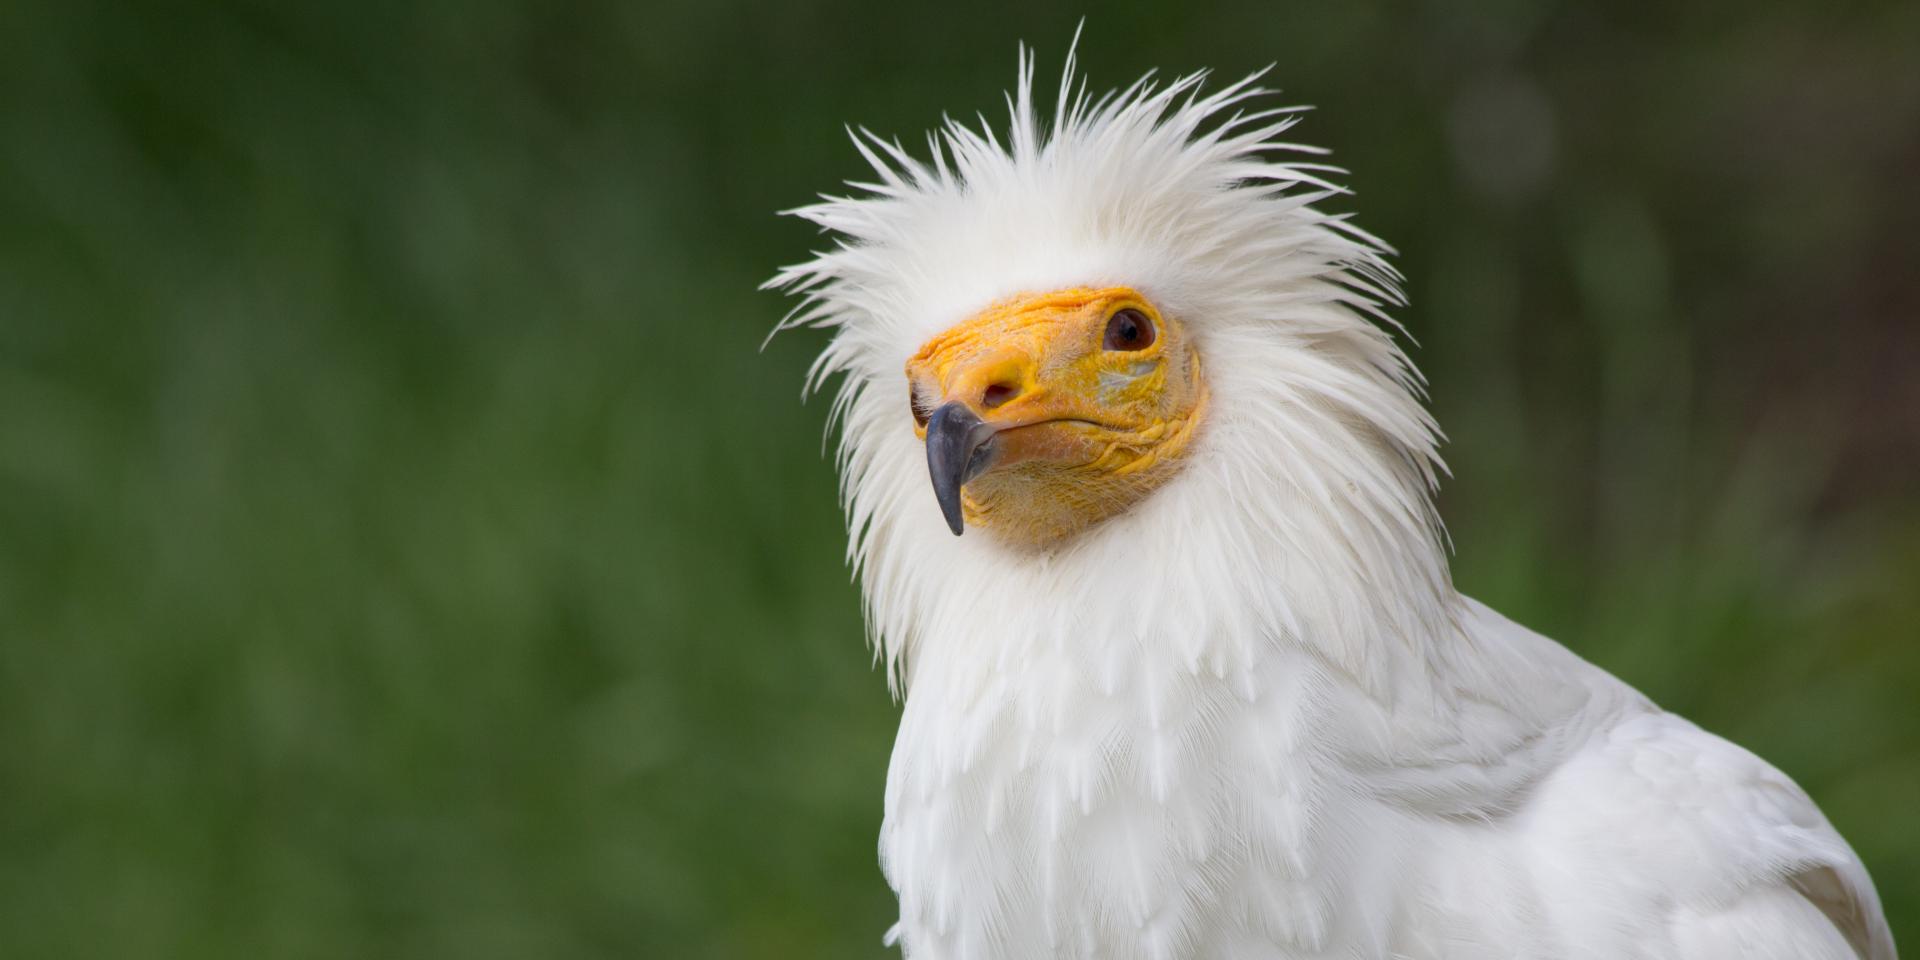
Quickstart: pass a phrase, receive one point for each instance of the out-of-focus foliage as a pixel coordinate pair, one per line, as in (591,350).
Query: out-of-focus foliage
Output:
(406,548)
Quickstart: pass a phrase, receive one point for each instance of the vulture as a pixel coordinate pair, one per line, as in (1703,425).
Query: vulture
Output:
(1139,488)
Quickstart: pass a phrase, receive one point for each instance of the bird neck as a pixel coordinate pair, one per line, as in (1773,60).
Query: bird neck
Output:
(1185,585)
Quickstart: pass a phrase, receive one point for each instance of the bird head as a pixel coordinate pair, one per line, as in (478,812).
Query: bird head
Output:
(1125,339)
(1048,412)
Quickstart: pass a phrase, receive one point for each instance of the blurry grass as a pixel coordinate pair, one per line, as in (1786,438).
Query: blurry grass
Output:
(401,560)
(405,549)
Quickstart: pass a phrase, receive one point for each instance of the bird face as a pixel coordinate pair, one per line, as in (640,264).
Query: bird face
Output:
(1047,413)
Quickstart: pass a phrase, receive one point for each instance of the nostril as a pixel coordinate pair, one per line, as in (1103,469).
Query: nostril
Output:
(998,394)
(922,410)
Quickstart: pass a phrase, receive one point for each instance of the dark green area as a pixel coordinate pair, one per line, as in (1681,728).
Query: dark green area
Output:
(406,550)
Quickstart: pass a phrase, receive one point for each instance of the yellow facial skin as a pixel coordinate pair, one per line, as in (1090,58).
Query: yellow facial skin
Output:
(1082,432)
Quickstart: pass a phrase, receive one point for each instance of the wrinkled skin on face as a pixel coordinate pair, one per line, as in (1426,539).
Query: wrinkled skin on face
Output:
(1076,404)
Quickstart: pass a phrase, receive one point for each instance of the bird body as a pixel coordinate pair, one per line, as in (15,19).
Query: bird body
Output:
(1203,687)
(1162,812)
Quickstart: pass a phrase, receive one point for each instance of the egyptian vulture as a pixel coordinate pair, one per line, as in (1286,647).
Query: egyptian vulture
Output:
(1196,683)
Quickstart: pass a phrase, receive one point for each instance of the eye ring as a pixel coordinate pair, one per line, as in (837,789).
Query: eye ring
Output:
(1129,329)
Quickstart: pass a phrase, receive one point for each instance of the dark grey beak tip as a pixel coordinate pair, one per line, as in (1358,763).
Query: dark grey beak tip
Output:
(957,451)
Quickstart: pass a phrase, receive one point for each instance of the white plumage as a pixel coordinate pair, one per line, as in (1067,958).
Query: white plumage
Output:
(1248,716)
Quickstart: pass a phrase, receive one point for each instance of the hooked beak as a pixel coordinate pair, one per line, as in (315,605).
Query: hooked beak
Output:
(959,448)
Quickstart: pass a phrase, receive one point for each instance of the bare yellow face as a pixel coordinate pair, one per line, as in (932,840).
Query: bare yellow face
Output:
(1047,413)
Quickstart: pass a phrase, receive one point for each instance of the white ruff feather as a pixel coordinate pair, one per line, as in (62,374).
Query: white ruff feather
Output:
(1250,717)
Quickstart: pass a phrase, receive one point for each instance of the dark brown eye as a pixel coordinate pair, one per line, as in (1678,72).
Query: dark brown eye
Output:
(1129,330)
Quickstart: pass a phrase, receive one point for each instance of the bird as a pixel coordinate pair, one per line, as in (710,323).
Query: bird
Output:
(1183,671)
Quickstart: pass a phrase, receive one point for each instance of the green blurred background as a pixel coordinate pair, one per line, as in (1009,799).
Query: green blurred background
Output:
(407,551)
